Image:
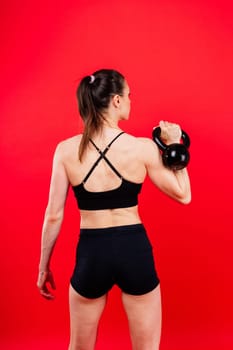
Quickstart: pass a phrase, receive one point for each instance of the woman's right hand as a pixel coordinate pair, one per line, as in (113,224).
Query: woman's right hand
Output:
(170,132)
(45,277)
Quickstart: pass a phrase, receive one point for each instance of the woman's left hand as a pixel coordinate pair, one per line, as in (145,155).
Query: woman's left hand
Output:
(45,277)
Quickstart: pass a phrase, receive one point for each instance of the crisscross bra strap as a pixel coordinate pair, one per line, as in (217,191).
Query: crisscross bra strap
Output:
(102,156)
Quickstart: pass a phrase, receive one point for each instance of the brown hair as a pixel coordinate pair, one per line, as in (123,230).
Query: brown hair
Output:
(94,93)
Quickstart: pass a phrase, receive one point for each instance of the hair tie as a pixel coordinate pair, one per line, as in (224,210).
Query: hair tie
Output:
(92,77)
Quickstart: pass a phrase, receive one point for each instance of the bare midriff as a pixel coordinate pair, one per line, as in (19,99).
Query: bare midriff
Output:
(109,217)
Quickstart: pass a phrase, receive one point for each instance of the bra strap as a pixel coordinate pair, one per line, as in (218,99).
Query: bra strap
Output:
(102,156)
(108,146)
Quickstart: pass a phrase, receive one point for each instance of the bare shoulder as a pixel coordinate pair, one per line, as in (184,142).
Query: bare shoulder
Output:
(66,148)
(139,141)
(147,144)
(149,151)
(143,148)
(145,141)
(131,143)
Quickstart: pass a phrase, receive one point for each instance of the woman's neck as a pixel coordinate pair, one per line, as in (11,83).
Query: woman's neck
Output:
(107,132)
(110,125)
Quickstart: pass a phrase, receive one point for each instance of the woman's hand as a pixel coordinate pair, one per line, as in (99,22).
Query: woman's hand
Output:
(45,277)
(170,132)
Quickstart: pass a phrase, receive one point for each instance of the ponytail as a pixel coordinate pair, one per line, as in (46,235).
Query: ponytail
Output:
(94,94)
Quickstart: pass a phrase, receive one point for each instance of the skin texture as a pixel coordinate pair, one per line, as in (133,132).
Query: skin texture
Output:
(140,157)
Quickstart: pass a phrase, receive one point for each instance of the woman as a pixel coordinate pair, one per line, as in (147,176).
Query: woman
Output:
(106,168)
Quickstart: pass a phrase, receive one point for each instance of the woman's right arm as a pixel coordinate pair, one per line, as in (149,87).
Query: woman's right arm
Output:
(175,184)
(52,221)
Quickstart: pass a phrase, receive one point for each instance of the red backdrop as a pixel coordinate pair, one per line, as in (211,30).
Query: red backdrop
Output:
(177,57)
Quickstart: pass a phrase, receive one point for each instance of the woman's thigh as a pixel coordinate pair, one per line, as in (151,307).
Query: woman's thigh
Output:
(84,319)
(144,316)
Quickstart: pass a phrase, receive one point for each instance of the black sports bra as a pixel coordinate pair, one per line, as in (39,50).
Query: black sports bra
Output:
(124,196)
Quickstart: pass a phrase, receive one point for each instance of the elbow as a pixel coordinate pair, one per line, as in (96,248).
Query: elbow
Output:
(183,196)
(185,199)
(54,217)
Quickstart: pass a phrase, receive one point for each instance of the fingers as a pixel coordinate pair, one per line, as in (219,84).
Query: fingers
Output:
(46,294)
(164,124)
(170,132)
(43,279)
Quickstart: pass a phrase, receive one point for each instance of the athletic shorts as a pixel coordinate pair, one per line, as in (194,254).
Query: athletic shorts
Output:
(120,255)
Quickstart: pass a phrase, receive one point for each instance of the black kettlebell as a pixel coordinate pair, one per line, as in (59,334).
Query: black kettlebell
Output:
(176,155)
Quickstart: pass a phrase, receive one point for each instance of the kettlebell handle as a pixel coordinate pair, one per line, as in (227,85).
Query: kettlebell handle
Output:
(156,137)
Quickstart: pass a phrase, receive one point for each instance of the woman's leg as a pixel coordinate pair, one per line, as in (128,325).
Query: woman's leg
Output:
(84,319)
(144,316)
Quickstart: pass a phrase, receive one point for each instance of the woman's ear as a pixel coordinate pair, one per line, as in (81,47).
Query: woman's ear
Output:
(116,101)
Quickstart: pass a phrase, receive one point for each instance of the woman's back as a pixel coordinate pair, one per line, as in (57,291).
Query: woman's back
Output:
(124,158)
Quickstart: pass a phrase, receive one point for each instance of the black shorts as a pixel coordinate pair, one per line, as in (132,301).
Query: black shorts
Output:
(119,255)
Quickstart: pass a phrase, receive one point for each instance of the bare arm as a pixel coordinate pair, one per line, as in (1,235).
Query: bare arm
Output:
(175,184)
(52,221)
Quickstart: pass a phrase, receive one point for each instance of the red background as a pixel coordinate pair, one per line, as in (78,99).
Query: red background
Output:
(177,57)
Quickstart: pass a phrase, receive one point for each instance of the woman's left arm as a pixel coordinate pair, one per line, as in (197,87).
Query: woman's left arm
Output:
(52,221)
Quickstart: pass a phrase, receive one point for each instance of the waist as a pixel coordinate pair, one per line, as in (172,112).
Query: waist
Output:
(108,218)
